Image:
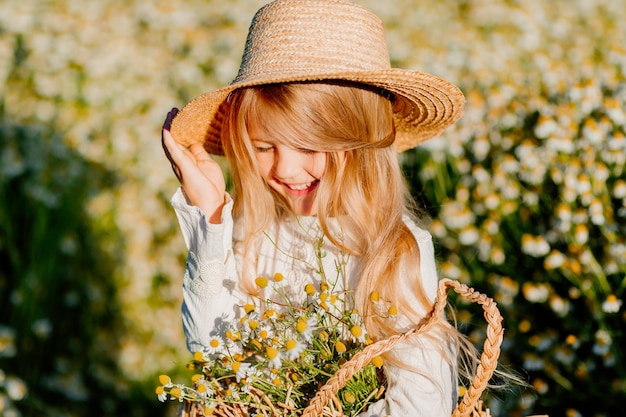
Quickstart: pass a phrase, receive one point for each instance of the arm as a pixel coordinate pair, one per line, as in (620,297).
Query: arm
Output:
(210,294)
(209,290)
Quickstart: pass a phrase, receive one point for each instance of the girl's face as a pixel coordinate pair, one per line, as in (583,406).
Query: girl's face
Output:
(293,173)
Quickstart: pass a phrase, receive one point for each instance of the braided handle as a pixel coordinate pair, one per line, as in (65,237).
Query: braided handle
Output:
(486,367)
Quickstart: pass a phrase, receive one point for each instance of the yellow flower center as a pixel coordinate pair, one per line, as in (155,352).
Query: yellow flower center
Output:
(301,326)
(271,352)
(377,361)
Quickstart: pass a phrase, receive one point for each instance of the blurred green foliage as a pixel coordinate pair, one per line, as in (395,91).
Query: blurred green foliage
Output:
(56,286)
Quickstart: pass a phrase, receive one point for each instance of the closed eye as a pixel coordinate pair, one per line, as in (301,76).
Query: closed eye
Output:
(306,151)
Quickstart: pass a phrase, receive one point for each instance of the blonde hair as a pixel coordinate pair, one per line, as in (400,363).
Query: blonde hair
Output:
(366,193)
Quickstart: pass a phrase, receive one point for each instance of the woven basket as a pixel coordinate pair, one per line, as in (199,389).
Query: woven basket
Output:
(325,403)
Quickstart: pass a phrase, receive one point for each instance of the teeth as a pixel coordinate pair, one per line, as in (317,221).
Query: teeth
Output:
(300,187)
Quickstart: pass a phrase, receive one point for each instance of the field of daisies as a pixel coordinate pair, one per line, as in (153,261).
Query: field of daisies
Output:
(527,193)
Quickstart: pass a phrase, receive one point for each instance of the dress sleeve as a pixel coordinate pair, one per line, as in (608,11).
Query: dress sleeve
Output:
(427,383)
(210,291)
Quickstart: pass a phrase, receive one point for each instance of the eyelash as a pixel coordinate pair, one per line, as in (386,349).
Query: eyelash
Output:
(306,151)
(271,148)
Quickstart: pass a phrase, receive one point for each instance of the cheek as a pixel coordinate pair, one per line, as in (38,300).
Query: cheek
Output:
(264,163)
(318,164)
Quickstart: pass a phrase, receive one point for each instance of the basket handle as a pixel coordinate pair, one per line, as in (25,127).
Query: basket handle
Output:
(486,367)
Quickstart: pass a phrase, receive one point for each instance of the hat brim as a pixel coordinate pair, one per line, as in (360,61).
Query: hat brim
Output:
(424,105)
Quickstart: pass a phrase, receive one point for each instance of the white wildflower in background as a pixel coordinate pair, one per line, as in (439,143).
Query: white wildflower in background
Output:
(7,342)
(581,234)
(535,246)
(469,235)
(15,388)
(536,292)
(602,343)
(545,127)
(559,305)
(619,189)
(612,304)
(555,260)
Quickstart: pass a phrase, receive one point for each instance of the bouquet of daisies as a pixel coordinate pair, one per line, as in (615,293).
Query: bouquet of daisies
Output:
(276,357)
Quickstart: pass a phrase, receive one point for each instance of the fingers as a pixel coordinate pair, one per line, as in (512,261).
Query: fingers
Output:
(198,151)
(172,152)
(167,124)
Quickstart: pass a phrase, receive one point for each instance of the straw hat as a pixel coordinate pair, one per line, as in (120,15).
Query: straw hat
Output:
(316,40)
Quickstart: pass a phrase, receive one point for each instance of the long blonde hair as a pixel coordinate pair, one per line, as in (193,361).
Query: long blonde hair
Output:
(366,194)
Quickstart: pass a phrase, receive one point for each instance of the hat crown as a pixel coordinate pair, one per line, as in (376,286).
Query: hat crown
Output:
(296,38)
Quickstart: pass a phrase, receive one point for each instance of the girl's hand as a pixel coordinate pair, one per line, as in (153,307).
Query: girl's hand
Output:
(200,176)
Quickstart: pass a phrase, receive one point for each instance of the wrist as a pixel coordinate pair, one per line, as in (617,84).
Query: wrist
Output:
(213,211)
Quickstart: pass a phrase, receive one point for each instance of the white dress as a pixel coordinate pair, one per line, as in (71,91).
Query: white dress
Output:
(211,296)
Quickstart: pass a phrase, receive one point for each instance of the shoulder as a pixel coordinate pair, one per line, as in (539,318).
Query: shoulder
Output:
(422,236)
(428,263)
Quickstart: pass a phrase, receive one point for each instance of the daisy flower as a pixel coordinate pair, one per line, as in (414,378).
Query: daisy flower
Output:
(305,327)
(612,304)
(265,332)
(274,357)
(242,370)
(293,349)
(215,345)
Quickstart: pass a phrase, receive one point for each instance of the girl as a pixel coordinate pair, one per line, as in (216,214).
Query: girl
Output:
(311,128)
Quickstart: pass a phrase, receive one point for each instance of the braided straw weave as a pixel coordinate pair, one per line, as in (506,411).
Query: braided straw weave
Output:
(325,403)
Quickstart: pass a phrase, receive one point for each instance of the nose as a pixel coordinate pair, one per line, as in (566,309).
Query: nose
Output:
(286,163)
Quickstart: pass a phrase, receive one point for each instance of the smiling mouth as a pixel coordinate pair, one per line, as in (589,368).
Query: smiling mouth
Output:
(301,189)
